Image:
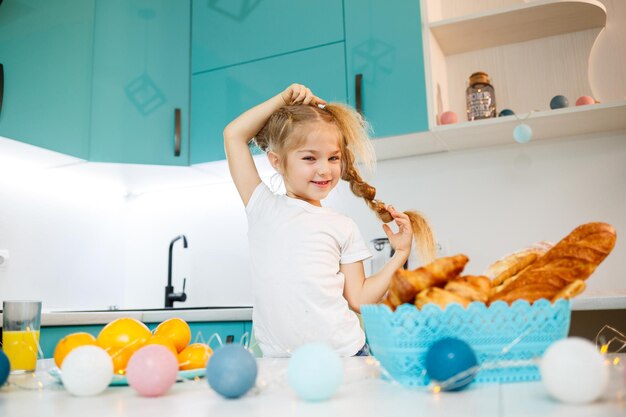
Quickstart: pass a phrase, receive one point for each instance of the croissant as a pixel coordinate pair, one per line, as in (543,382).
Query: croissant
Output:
(470,287)
(405,285)
(575,257)
(440,297)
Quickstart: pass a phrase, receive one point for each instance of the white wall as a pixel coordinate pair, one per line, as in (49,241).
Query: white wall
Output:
(78,242)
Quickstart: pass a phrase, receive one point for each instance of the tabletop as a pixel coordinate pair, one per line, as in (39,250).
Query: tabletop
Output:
(363,393)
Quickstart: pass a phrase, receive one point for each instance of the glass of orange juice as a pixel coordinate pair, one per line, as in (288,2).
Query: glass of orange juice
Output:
(20,334)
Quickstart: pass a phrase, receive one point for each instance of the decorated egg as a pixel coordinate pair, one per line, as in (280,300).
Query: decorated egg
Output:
(451,363)
(152,370)
(448,117)
(87,370)
(522,133)
(232,371)
(573,371)
(5,368)
(584,100)
(559,102)
(315,372)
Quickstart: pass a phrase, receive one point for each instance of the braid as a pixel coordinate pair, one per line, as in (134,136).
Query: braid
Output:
(422,233)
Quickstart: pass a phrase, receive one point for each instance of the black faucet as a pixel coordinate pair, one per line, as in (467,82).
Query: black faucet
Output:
(170,295)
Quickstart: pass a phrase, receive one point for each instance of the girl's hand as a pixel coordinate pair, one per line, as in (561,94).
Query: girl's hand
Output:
(401,240)
(300,94)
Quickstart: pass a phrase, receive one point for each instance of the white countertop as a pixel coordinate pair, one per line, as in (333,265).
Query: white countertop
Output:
(362,394)
(68,318)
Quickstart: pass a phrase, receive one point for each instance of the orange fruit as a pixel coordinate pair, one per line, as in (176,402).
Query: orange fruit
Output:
(121,338)
(194,356)
(164,341)
(69,343)
(120,357)
(177,330)
(123,332)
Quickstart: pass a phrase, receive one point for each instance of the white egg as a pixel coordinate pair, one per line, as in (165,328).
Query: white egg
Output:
(87,370)
(574,371)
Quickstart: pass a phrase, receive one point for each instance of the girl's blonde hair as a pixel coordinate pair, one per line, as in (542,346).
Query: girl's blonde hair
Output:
(277,136)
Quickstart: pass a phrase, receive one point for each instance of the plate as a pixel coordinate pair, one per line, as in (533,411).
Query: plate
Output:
(120,380)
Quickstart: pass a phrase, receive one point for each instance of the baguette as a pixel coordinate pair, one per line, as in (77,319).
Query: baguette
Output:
(575,257)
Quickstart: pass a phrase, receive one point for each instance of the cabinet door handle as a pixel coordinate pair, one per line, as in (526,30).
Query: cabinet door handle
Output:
(358,86)
(176,132)
(1,85)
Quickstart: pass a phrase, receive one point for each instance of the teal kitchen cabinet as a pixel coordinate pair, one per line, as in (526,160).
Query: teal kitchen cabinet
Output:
(385,65)
(230,32)
(228,331)
(46,55)
(221,95)
(141,77)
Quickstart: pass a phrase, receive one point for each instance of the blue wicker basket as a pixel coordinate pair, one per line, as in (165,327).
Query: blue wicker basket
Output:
(506,338)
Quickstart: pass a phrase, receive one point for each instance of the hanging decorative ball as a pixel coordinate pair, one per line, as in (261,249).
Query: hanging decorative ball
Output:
(5,368)
(573,371)
(506,112)
(522,133)
(315,372)
(231,371)
(152,370)
(559,102)
(584,100)
(451,363)
(87,370)
(449,117)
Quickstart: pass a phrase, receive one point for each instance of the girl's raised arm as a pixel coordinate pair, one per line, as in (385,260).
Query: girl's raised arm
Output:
(241,130)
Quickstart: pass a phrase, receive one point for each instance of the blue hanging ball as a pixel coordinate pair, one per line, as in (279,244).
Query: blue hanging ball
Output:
(5,368)
(522,133)
(559,102)
(315,372)
(506,112)
(448,358)
(231,371)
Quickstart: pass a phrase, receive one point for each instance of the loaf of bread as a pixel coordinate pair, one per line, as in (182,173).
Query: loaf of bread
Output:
(572,259)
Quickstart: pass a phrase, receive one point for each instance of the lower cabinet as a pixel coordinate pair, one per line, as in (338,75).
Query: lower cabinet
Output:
(228,332)
(221,95)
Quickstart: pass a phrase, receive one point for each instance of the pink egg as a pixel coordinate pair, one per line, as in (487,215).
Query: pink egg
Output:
(582,100)
(152,370)
(448,117)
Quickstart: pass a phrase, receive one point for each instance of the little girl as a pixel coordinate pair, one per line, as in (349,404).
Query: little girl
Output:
(307,260)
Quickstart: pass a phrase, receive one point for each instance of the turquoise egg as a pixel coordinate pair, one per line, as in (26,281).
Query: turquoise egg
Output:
(522,133)
(451,363)
(559,102)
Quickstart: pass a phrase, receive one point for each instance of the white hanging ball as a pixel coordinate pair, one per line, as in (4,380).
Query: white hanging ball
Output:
(87,370)
(573,371)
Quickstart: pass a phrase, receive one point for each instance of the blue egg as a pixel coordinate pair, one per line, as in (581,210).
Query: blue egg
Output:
(5,368)
(522,133)
(506,112)
(231,371)
(559,102)
(448,358)
(315,372)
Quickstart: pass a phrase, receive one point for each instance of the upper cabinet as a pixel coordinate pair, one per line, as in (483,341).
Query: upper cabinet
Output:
(46,54)
(385,64)
(141,76)
(233,32)
(221,95)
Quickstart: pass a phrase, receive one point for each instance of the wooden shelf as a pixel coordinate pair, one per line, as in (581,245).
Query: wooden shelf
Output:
(533,20)
(549,124)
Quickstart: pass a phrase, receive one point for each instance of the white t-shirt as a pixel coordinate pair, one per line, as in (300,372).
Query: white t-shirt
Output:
(295,250)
